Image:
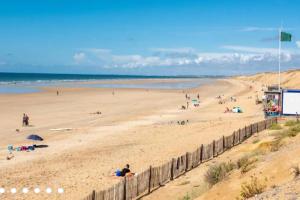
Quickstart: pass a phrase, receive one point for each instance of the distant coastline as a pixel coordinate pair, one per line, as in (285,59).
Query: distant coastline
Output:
(22,77)
(16,83)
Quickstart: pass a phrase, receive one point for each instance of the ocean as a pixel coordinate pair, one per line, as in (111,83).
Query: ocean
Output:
(33,82)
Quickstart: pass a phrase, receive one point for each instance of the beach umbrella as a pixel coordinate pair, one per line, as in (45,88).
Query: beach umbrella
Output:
(35,137)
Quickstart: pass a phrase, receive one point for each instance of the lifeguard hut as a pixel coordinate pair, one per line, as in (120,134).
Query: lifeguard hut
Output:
(272,101)
(281,102)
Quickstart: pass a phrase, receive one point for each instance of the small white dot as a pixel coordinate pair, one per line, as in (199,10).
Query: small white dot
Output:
(13,190)
(48,190)
(25,190)
(2,190)
(37,190)
(60,190)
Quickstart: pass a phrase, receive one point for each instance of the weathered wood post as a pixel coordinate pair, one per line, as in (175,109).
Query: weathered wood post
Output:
(124,195)
(149,184)
(94,195)
(201,154)
(214,149)
(172,169)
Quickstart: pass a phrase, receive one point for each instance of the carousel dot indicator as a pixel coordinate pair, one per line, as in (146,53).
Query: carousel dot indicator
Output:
(25,190)
(60,190)
(13,190)
(37,190)
(48,190)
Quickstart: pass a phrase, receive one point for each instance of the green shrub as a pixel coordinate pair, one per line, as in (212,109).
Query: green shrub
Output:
(291,123)
(252,188)
(275,145)
(186,197)
(246,164)
(275,127)
(218,172)
(256,141)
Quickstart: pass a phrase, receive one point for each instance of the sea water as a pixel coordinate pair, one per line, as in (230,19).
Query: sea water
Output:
(33,82)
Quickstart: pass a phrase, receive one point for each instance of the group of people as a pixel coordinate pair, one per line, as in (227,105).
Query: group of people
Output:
(25,120)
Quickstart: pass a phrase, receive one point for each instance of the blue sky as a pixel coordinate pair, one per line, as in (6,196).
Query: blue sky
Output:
(147,37)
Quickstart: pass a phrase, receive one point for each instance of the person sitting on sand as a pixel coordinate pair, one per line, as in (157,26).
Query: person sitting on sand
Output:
(10,156)
(124,172)
(227,110)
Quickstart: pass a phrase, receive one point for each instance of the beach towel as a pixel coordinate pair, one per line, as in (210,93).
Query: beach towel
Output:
(118,173)
(31,148)
(10,148)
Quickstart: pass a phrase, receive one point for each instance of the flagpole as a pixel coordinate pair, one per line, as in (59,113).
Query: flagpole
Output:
(279,60)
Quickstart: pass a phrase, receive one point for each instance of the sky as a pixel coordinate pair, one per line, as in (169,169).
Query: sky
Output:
(148,37)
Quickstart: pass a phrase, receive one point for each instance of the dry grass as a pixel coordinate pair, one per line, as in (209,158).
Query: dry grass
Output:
(246,163)
(186,197)
(296,171)
(291,123)
(218,172)
(275,127)
(252,188)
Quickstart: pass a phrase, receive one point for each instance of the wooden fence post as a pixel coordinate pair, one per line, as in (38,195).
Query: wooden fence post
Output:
(201,154)
(124,195)
(94,195)
(186,161)
(149,188)
(172,169)
(214,148)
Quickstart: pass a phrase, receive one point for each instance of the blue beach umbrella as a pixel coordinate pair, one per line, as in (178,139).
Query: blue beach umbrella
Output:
(35,137)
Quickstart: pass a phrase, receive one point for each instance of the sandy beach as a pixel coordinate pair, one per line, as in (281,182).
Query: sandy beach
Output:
(136,126)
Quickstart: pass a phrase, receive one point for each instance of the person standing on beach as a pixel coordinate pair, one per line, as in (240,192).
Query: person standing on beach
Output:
(57,93)
(24,120)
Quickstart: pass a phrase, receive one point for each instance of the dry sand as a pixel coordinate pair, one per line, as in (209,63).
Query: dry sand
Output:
(137,126)
(272,169)
(289,79)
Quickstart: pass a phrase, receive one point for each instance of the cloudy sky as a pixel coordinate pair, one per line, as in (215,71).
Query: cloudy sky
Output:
(148,37)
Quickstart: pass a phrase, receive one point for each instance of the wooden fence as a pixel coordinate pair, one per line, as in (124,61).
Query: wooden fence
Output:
(145,182)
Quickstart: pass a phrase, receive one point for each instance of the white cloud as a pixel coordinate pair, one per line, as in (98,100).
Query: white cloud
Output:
(182,57)
(254,28)
(79,57)
(298,43)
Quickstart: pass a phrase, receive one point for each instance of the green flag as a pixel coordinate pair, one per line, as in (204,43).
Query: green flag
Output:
(285,37)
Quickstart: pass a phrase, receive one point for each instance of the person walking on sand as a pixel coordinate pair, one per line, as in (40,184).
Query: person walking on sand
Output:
(57,93)
(24,120)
